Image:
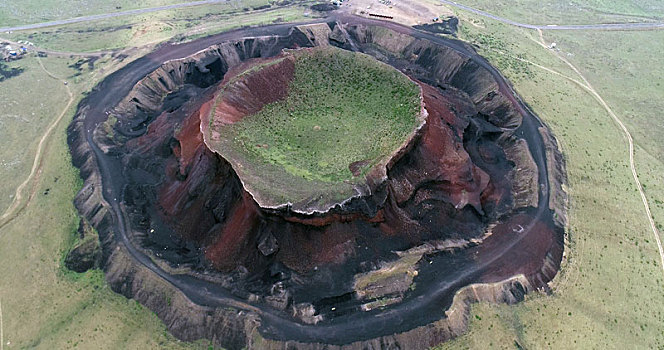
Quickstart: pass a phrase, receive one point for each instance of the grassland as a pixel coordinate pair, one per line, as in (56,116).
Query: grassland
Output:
(626,69)
(45,306)
(22,120)
(341,108)
(13,13)
(608,294)
(572,11)
(152,28)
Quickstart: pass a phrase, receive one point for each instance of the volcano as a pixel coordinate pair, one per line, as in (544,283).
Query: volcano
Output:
(341,183)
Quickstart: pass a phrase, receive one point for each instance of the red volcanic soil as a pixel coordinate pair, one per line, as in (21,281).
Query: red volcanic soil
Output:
(440,158)
(524,255)
(435,175)
(190,140)
(246,94)
(235,239)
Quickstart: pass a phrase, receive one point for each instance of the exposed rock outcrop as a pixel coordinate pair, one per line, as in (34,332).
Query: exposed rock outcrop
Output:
(524,176)
(86,254)
(557,177)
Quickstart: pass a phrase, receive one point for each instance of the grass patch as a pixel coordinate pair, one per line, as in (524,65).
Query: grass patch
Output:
(30,100)
(626,69)
(342,108)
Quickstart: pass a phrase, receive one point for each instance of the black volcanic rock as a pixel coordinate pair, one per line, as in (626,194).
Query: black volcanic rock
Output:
(449,25)
(324,7)
(86,254)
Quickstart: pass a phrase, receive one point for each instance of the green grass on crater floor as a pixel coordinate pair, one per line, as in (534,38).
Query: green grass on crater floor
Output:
(342,107)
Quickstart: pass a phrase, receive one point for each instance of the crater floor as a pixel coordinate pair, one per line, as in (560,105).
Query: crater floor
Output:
(312,127)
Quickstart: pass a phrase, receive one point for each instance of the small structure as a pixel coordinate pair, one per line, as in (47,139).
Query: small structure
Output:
(380,16)
(552,46)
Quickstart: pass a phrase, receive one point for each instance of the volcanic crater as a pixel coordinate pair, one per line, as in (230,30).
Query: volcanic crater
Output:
(312,127)
(234,228)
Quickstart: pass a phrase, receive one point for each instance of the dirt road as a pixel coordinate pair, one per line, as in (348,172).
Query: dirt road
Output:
(110,15)
(18,204)
(588,87)
(599,26)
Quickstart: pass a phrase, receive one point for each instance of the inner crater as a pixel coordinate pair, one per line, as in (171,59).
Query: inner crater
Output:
(313,127)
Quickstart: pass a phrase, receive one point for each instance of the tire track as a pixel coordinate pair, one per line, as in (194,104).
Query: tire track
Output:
(17,205)
(2,338)
(110,15)
(630,141)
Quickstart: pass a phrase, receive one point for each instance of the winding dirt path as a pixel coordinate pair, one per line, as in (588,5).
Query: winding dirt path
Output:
(596,26)
(630,142)
(588,87)
(2,338)
(17,204)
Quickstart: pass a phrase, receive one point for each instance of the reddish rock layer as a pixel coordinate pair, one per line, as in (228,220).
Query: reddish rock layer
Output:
(236,238)
(435,173)
(440,159)
(246,94)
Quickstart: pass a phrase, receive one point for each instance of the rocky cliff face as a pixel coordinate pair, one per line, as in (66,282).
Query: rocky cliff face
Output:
(223,268)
